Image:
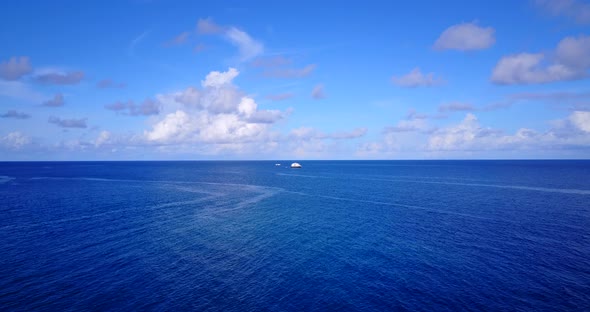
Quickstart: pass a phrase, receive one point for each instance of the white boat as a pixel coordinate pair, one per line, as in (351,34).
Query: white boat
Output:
(295,165)
(277,165)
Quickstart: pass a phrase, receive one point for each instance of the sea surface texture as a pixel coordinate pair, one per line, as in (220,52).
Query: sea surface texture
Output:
(332,236)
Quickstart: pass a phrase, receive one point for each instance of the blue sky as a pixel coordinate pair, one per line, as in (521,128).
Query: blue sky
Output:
(118,80)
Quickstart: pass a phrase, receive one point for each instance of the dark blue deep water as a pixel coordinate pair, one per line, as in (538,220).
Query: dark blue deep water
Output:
(334,235)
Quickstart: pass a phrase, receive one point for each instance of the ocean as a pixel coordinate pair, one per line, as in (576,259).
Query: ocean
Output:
(333,235)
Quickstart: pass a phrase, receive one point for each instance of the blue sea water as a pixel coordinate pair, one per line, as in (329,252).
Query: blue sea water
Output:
(334,235)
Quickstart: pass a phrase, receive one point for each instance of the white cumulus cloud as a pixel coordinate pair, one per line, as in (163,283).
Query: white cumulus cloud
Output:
(217,79)
(102,138)
(574,52)
(15,68)
(219,115)
(452,137)
(15,140)
(581,120)
(174,125)
(571,61)
(466,36)
(190,96)
(470,135)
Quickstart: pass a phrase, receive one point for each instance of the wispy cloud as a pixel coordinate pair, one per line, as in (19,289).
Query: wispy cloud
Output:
(289,72)
(565,99)
(21,91)
(136,41)
(248,47)
(571,9)
(68,123)
(410,125)
(273,61)
(309,133)
(414,122)
(413,114)
(199,48)
(415,78)
(280,96)
(146,108)
(277,66)
(110,84)
(15,114)
(178,39)
(551,96)
(56,101)
(317,92)
(206,26)
(456,107)
(59,77)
